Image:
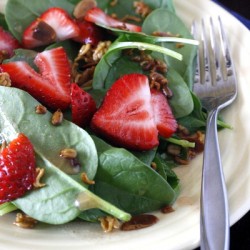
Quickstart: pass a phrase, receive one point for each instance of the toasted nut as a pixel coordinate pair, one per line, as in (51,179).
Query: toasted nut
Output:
(3,146)
(40,109)
(153,165)
(86,179)
(108,223)
(57,118)
(82,7)
(68,153)
(24,221)
(141,8)
(5,79)
(174,149)
(139,221)
(167,209)
(113,3)
(39,174)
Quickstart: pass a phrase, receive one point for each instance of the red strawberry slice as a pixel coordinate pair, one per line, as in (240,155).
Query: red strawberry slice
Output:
(7,44)
(55,24)
(83,106)
(37,34)
(17,169)
(98,16)
(164,119)
(52,86)
(89,33)
(126,115)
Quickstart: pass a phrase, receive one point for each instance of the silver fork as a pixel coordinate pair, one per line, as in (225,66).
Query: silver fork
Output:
(216,86)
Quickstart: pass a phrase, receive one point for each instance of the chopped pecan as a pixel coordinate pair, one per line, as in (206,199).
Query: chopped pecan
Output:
(57,118)
(40,173)
(69,153)
(40,109)
(82,7)
(100,50)
(113,3)
(3,146)
(5,79)
(141,8)
(24,221)
(139,221)
(153,165)
(167,209)
(108,223)
(157,80)
(86,179)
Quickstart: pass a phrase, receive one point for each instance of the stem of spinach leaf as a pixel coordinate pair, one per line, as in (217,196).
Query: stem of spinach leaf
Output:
(146,46)
(6,208)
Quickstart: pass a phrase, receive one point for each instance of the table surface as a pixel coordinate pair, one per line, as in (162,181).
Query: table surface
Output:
(240,231)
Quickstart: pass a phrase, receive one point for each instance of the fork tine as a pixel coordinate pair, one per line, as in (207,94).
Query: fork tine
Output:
(194,32)
(206,58)
(225,50)
(215,53)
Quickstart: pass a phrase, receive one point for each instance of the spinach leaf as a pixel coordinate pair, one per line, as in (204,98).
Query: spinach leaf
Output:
(166,21)
(196,119)
(124,8)
(54,203)
(20,13)
(164,168)
(3,23)
(127,182)
(24,55)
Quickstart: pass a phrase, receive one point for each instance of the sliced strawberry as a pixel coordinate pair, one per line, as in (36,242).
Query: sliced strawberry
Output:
(83,106)
(17,169)
(37,34)
(7,44)
(98,16)
(52,86)
(55,24)
(89,33)
(164,119)
(64,26)
(126,115)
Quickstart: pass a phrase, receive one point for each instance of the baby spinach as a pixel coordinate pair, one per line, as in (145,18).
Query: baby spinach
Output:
(20,13)
(166,21)
(127,182)
(54,203)
(126,8)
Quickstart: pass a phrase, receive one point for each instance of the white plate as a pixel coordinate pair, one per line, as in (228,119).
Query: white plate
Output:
(178,230)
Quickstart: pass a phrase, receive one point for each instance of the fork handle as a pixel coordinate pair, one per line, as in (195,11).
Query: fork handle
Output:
(215,227)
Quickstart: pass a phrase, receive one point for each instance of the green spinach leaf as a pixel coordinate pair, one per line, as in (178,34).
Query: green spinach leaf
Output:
(127,182)
(166,21)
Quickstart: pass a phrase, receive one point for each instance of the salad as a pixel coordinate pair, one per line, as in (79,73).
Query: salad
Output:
(96,110)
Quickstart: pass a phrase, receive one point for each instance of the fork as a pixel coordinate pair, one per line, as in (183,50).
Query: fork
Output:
(216,85)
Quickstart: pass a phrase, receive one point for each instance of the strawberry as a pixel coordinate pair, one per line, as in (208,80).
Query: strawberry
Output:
(126,115)
(7,44)
(164,119)
(98,16)
(89,33)
(83,106)
(17,169)
(52,86)
(55,24)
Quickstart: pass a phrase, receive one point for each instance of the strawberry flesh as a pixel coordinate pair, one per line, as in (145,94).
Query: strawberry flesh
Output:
(164,119)
(126,116)
(17,169)
(83,106)
(89,33)
(7,44)
(52,86)
(98,16)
